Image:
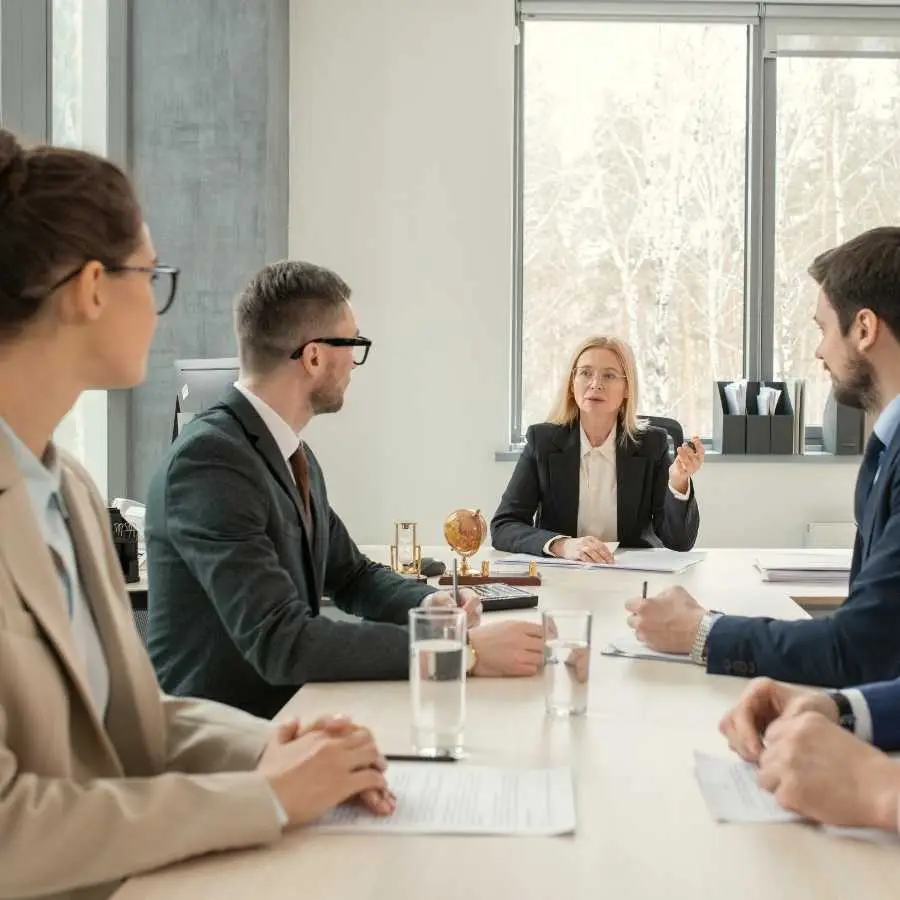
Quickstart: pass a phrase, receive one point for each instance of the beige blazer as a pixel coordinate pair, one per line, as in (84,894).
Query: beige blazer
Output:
(85,803)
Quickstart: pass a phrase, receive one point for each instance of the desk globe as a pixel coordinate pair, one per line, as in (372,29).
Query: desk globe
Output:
(465,531)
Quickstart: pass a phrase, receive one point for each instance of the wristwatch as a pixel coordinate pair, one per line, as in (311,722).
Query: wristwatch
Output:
(846,716)
(700,647)
(471,655)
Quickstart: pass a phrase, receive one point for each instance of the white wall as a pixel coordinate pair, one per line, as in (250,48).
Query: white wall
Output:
(401,168)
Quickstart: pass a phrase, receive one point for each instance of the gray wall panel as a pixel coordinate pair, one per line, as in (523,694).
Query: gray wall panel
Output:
(209,153)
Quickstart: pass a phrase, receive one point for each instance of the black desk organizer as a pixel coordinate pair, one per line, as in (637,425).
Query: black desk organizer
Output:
(752,433)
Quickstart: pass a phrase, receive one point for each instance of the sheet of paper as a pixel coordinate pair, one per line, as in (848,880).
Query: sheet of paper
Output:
(657,560)
(870,835)
(733,794)
(628,645)
(455,798)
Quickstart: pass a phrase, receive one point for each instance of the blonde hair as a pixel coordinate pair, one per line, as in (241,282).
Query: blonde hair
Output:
(565,411)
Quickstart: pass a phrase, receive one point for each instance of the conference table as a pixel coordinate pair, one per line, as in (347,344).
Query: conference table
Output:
(643,828)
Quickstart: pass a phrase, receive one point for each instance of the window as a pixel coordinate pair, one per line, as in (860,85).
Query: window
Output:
(84,431)
(837,174)
(634,205)
(67,18)
(679,165)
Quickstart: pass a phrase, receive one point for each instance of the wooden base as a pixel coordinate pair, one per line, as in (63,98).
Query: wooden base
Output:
(522,580)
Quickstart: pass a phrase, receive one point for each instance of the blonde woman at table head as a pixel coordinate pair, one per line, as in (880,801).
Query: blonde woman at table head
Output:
(101,776)
(594,473)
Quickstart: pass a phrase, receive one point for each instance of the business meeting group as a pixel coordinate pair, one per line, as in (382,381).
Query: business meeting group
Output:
(119,756)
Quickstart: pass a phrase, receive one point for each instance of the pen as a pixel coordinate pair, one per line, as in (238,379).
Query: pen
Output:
(409,757)
(455,583)
(644,591)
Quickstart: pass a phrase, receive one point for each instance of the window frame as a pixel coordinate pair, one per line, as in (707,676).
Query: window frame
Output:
(26,98)
(762,20)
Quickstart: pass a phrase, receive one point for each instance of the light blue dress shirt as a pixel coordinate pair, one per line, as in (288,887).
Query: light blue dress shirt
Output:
(43,480)
(886,426)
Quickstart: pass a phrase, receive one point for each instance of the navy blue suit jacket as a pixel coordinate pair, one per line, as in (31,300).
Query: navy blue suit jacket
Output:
(884,705)
(859,642)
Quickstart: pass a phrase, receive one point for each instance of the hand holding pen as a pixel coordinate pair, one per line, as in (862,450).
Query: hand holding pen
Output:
(462,598)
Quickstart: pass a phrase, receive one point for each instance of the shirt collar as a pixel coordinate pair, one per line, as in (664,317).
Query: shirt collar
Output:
(285,437)
(887,423)
(45,474)
(607,448)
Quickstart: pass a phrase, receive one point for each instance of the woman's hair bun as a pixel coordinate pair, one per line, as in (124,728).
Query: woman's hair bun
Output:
(13,166)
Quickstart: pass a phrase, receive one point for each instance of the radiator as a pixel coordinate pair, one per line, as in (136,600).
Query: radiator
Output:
(833,535)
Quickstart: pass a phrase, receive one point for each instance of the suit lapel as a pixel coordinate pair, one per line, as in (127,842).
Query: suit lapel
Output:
(629,480)
(30,564)
(564,465)
(113,621)
(876,496)
(265,445)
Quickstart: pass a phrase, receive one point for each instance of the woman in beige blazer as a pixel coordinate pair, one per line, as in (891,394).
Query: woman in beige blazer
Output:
(101,776)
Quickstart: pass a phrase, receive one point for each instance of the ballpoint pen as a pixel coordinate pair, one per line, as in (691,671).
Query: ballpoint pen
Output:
(455,584)
(410,757)
(644,591)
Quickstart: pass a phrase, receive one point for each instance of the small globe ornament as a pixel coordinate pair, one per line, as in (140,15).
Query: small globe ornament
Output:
(465,531)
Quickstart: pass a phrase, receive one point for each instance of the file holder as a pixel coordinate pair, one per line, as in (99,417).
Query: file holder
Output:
(774,434)
(759,430)
(729,432)
(783,421)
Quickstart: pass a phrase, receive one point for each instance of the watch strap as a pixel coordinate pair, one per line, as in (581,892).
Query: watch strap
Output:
(846,716)
(700,648)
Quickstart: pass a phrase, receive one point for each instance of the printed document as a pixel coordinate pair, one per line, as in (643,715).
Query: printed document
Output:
(455,798)
(732,794)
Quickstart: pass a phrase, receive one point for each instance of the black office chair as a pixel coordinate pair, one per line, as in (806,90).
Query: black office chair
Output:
(671,426)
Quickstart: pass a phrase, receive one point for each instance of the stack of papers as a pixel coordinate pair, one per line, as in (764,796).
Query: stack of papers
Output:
(732,794)
(657,560)
(454,798)
(767,400)
(736,398)
(811,567)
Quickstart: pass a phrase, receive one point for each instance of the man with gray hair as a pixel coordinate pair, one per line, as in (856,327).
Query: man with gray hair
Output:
(241,539)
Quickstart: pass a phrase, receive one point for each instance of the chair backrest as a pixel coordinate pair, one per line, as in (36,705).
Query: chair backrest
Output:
(672,427)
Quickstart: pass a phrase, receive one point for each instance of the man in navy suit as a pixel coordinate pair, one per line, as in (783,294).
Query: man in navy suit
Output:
(858,314)
(815,753)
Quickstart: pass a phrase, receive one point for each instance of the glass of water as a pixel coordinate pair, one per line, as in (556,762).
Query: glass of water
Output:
(567,661)
(437,679)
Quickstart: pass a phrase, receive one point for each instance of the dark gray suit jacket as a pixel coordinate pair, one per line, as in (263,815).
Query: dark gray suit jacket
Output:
(541,499)
(234,581)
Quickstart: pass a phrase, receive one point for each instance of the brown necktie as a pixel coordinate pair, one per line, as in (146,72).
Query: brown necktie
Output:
(300,468)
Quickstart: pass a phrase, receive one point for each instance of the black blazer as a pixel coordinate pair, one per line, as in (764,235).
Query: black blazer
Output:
(860,641)
(235,582)
(541,499)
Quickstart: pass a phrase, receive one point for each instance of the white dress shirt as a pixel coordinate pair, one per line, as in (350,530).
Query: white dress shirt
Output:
(598,508)
(863,728)
(43,481)
(285,437)
(598,505)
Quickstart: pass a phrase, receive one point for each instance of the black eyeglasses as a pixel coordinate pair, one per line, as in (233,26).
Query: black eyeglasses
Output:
(164,280)
(361,347)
